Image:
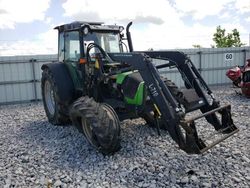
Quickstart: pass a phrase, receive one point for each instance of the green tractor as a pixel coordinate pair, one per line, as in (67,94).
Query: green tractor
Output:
(99,80)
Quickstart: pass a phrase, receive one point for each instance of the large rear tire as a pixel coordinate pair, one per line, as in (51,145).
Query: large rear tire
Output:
(98,122)
(55,110)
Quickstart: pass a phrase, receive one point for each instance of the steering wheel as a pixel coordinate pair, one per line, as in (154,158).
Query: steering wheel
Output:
(103,54)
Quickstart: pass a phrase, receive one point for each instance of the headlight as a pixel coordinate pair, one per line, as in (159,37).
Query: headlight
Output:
(121,28)
(85,30)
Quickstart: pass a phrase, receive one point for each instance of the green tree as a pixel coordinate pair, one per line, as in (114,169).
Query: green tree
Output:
(230,40)
(197,46)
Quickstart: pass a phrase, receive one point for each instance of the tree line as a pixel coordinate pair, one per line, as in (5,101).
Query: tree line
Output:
(223,40)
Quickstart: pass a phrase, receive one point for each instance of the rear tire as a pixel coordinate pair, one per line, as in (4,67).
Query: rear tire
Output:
(177,94)
(175,91)
(55,110)
(98,122)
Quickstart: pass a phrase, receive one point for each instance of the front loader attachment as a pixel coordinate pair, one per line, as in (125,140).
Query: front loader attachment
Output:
(194,144)
(169,110)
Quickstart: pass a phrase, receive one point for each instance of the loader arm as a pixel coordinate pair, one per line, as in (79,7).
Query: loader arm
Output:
(167,107)
(192,78)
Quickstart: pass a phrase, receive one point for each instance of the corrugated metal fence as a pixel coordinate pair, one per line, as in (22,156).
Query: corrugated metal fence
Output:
(212,63)
(20,75)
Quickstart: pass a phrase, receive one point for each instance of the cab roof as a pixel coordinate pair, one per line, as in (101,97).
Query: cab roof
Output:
(77,25)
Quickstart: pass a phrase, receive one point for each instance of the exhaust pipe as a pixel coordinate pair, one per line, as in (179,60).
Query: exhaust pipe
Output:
(129,39)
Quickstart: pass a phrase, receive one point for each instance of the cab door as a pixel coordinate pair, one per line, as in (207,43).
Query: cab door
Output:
(72,56)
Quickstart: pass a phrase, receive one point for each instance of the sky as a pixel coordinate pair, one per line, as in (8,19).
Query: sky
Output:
(26,26)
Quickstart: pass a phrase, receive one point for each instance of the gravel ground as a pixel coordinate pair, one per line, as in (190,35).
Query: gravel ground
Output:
(34,153)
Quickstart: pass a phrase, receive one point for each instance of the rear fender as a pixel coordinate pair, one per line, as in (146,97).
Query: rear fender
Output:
(64,83)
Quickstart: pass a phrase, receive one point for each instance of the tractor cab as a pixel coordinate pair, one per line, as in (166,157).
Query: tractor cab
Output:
(76,37)
(80,44)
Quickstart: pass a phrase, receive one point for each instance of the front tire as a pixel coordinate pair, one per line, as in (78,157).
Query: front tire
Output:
(98,122)
(55,110)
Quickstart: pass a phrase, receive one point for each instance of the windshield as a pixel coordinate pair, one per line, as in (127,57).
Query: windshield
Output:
(108,41)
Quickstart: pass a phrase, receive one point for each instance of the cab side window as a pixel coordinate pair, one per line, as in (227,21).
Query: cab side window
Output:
(72,46)
(61,47)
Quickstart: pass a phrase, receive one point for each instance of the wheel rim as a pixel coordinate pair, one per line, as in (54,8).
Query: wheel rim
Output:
(49,97)
(88,132)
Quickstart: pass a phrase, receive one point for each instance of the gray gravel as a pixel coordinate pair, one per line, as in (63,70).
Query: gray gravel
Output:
(34,153)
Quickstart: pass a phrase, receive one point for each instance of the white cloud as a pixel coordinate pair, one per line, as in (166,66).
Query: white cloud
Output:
(225,15)
(200,9)
(157,25)
(164,28)
(48,20)
(247,19)
(243,6)
(24,11)
(178,36)
(230,26)
(115,11)
(45,43)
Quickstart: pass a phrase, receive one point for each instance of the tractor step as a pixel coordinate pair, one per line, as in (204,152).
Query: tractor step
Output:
(196,145)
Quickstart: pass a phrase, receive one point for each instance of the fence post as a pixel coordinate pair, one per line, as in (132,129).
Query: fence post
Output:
(244,56)
(200,66)
(34,77)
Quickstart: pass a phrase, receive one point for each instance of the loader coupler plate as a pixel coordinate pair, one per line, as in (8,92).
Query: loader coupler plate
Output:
(225,128)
